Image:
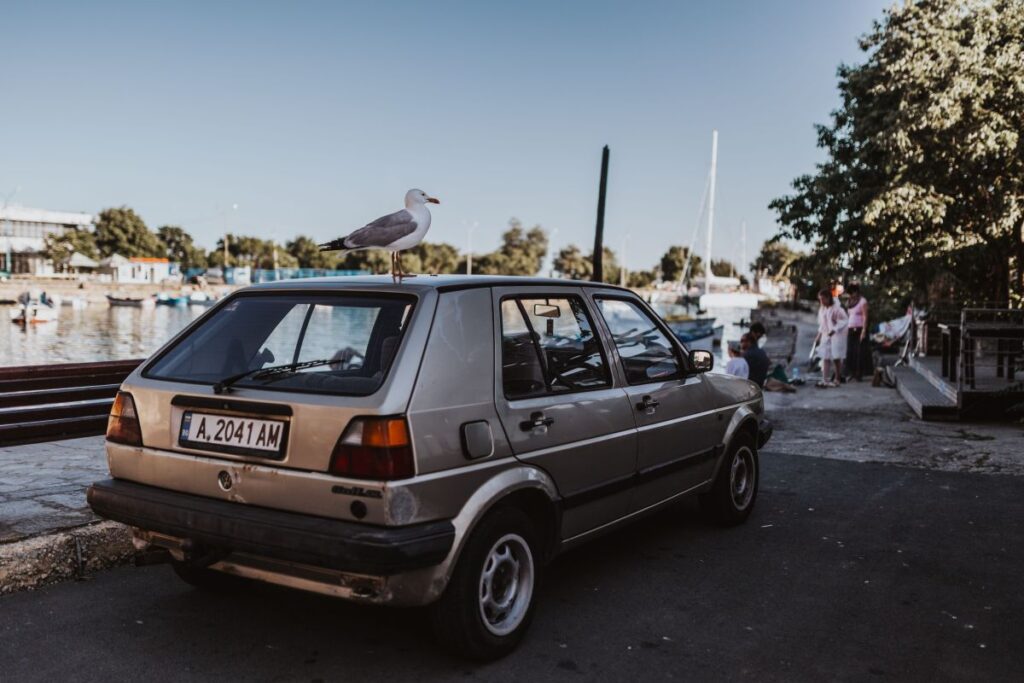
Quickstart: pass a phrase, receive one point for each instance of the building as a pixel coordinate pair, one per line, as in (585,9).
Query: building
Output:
(151,270)
(22,234)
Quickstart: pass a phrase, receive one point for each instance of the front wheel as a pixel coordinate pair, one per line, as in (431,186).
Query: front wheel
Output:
(732,496)
(488,604)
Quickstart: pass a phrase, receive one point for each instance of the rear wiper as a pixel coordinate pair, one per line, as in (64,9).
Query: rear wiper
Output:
(262,373)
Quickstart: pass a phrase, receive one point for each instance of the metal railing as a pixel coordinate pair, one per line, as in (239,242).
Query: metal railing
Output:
(984,349)
(51,402)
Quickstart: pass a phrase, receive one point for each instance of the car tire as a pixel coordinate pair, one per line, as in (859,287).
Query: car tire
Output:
(732,495)
(207,580)
(486,609)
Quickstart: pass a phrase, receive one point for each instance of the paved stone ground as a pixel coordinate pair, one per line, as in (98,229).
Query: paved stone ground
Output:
(42,486)
(861,423)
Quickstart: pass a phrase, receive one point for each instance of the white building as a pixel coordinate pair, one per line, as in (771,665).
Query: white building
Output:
(117,268)
(22,231)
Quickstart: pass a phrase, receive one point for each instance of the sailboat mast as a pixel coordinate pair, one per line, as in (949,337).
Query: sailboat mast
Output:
(711,210)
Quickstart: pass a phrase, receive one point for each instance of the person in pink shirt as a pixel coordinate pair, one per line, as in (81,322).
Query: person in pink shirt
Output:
(857,348)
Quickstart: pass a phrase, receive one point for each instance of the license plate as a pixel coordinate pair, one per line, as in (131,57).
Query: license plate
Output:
(240,435)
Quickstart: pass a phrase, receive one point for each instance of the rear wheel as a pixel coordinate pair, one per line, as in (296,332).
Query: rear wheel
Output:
(732,496)
(488,604)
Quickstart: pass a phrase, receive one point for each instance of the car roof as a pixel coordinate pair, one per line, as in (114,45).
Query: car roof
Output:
(425,282)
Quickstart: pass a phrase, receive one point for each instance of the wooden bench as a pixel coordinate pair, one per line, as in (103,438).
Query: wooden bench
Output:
(50,402)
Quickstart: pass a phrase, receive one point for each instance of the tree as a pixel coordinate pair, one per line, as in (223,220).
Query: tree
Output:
(571,263)
(434,258)
(722,268)
(307,253)
(521,252)
(673,263)
(59,246)
(179,247)
(924,169)
(639,279)
(774,259)
(122,231)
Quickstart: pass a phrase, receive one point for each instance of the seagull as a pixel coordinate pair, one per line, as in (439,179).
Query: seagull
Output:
(397,231)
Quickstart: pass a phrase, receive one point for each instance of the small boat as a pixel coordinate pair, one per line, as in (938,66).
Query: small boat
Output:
(136,302)
(201,299)
(34,308)
(699,339)
(164,299)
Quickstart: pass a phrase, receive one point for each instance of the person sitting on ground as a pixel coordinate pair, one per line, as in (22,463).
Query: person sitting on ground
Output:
(757,359)
(737,366)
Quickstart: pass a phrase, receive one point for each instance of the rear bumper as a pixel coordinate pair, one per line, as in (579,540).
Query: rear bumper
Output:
(318,541)
(764,432)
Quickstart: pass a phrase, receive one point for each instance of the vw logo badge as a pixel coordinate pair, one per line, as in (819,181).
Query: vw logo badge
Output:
(224,479)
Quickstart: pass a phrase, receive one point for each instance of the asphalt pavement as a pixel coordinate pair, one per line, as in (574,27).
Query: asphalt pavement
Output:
(845,571)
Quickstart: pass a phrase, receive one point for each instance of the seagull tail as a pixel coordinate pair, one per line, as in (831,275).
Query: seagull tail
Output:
(334,245)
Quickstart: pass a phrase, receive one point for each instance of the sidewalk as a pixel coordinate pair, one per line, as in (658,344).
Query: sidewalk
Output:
(47,532)
(862,423)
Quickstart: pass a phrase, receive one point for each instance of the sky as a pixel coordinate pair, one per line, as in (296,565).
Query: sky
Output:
(277,119)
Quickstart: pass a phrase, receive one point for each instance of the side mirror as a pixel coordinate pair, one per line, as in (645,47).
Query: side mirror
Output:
(701,361)
(547,311)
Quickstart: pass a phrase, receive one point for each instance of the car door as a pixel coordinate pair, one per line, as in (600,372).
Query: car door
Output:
(677,433)
(559,405)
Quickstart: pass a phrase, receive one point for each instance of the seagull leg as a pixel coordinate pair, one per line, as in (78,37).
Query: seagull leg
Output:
(394,265)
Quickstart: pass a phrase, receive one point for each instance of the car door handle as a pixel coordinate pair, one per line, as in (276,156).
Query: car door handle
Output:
(647,403)
(536,420)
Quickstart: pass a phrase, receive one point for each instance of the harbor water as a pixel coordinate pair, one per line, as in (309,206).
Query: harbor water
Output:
(99,333)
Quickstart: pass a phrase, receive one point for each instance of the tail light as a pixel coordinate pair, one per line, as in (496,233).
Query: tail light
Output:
(374,448)
(123,423)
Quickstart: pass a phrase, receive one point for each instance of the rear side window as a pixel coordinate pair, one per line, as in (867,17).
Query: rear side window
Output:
(548,346)
(647,354)
(347,343)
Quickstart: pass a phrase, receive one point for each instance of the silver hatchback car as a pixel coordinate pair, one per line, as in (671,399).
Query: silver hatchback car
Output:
(433,441)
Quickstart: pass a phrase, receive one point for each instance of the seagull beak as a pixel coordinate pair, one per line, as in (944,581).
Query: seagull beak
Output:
(433,200)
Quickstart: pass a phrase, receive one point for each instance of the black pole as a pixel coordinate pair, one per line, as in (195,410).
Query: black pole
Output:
(599,230)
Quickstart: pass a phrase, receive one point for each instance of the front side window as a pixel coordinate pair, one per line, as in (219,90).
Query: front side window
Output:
(548,345)
(647,354)
(345,343)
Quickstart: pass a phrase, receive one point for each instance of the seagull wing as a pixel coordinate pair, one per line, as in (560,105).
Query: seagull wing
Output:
(379,233)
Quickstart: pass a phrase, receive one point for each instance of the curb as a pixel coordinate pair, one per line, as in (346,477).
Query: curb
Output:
(41,560)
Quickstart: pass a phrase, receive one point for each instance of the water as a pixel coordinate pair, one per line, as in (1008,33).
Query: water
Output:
(729,318)
(102,332)
(96,333)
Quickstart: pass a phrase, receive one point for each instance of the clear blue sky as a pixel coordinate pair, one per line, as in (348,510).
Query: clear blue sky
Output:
(317,117)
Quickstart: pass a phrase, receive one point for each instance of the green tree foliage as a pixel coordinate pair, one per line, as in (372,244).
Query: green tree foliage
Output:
(924,175)
(58,247)
(522,252)
(433,258)
(376,261)
(774,260)
(179,247)
(122,231)
(307,253)
(571,263)
(673,262)
(246,250)
(722,268)
(639,279)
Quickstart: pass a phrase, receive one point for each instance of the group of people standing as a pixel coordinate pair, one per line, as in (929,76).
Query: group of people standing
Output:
(842,337)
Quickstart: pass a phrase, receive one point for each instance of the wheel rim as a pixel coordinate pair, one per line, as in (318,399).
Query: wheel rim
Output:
(742,477)
(506,584)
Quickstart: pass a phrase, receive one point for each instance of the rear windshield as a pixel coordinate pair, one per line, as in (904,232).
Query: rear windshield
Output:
(347,343)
